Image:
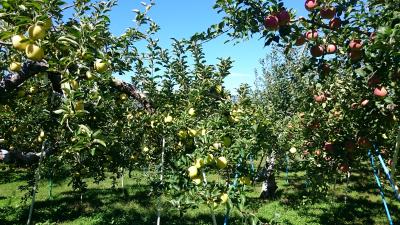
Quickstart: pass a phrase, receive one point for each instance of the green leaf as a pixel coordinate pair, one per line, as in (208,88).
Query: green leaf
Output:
(100,142)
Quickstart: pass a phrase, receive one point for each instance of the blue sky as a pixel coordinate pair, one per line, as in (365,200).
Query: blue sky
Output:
(182,18)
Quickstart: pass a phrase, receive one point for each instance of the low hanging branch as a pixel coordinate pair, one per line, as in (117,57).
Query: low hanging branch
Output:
(132,91)
(9,83)
(23,158)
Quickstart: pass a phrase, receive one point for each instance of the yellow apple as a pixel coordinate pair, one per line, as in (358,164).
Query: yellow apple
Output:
(33,89)
(168,119)
(15,66)
(292,150)
(79,105)
(218,89)
(42,135)
(203,132)
(217,145)
(192,112)
(192,132)
(34,52)
(192,171)
(210,159)
(222,162)
(145,149)
(199,163)
(129,116)
(36,32)
(182,134)
(196,180)
(244,180)
(89,75)
(100,66)
(123,96)
(224,198)
(74,84)
(19,42)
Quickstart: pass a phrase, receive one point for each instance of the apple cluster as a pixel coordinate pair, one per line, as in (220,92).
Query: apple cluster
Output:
(28,44)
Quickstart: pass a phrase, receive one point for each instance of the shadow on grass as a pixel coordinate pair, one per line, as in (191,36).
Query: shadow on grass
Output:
(103,206)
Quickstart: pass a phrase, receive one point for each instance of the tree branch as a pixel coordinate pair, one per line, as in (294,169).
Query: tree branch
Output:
(11,82)
(132,91)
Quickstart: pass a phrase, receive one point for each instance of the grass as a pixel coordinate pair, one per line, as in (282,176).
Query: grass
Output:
(132,205)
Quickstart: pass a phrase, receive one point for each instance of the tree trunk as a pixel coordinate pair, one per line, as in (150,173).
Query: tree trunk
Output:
(268,177)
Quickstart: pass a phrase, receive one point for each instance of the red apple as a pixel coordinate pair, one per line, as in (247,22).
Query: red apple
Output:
(328,12)
(283,17)
(390,162)
(300,41)
(374,80)
(335,23)
(317,50)
(363,142)
(328,146)
(355,45)
(311,4)
(349,145)
(312,35)
(271,22)
(344,167)
(364,102)
(380,92)
(372,36)
(320,98)
(331,48)
(326,69)
(355,55)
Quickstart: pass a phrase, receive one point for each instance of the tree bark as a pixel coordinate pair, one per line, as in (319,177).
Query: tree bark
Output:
(268,176)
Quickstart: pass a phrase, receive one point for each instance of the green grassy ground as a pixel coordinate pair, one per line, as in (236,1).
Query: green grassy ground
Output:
(103,205)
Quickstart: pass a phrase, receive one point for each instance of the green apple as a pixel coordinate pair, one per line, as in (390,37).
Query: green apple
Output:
(227,141)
